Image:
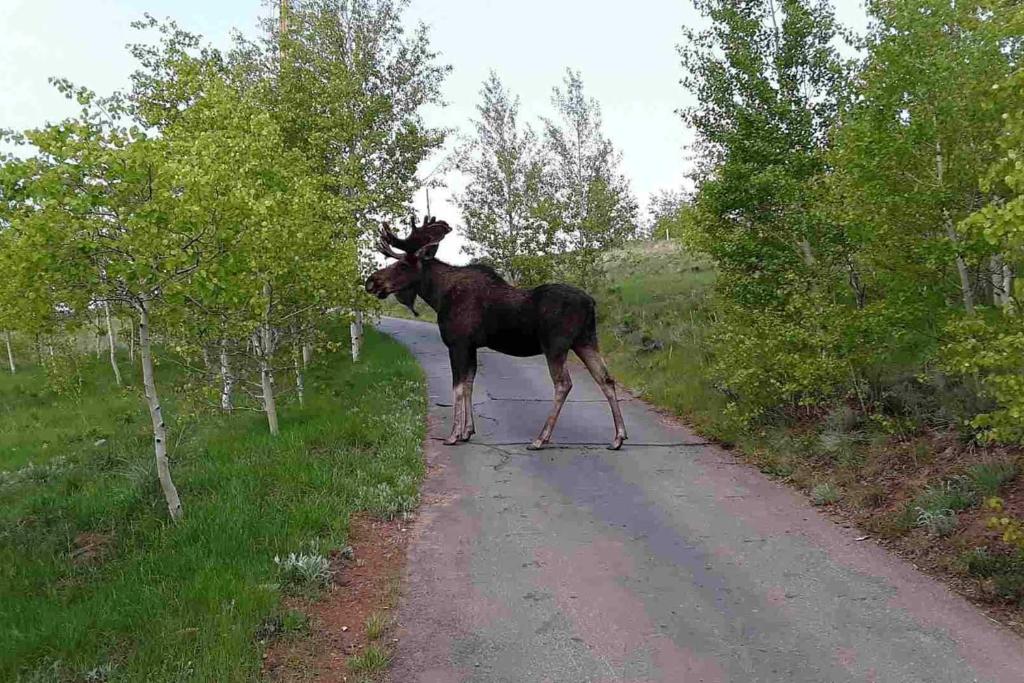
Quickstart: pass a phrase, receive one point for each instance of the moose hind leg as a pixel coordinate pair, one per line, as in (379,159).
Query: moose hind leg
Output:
(599,371)
(459,363)
(469,426)
(563,385)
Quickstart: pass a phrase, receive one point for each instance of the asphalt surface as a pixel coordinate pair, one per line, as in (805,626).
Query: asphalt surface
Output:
(666,561)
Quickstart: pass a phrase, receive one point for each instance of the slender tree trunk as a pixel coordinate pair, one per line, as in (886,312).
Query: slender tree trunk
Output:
(113,344)
(264,342)
(307,355)
(267,381)
(227,379)
(808,253)
(1008,282)
(163,468)
(966,290)
(99,335)
(10,351)
(356,331)
(995,275)
(131,344)
(300,380)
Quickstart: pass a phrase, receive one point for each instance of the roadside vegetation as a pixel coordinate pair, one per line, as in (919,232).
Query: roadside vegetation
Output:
(97,584)
(926,491)
(181,261)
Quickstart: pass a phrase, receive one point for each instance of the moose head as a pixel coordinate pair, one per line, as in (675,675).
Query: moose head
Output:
(402,277)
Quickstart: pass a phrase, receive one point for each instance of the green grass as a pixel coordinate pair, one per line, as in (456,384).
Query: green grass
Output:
(371,660)
(376,624)
(391,307)
(953,494)
(653,324)
(154,601)
(825,494)
(988,477)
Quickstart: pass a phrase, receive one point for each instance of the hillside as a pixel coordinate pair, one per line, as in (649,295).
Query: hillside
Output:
(920,490)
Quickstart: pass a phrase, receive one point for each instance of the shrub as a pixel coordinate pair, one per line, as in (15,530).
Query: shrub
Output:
(993,349)
(988,477)
(937,522)
(1012,528)
(304,571)
(954,494)
(824,494)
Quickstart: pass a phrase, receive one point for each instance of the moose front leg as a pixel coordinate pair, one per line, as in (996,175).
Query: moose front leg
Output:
(463,362)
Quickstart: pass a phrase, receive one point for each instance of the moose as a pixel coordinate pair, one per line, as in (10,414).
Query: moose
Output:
(477,308)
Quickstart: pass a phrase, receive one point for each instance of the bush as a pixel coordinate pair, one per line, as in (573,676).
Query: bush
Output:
(988,477)
(954,494)
(937,522)
(824,494)
(993,349)
(304,571)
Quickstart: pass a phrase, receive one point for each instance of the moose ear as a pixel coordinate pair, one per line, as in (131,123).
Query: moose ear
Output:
(427,252)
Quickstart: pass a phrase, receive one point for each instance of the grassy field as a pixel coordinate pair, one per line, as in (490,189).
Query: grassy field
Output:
(653,322)
(96,583)
(920,488)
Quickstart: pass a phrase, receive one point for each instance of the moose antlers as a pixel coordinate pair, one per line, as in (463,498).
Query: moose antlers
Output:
(383,245)
(429,234)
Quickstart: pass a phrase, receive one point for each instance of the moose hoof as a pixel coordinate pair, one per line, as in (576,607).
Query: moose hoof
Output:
(616,443)
(451,441)
(535,446)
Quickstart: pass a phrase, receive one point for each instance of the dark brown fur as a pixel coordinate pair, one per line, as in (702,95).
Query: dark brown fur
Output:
(476,308)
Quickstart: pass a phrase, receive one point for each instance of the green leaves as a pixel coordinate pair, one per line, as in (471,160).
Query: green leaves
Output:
(540,205)
(856,221)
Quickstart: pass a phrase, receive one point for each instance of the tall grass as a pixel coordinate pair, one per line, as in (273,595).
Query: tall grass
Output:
(653,322)
(95,580)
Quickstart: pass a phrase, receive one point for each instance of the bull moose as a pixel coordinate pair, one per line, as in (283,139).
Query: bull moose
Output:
(477,308)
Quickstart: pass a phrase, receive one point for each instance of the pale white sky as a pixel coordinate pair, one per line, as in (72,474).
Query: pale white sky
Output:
(625,51)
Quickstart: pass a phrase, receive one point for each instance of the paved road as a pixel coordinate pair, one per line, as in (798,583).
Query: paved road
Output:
(666,561)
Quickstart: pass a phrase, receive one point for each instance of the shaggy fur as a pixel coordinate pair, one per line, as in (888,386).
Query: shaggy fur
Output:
(476,308)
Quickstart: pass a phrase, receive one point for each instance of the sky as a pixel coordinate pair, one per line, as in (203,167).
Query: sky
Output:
(626,52)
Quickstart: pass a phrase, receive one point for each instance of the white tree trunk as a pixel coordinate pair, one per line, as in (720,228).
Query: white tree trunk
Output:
(261,342)
(1008,281)
(227,379)
(131,343)
(808,253)
(300,380)
(356,331)
(996,277)
(99,336)
(113,344)
(264,342)
(966,291)
(163,469)
(307,355)
(10,352)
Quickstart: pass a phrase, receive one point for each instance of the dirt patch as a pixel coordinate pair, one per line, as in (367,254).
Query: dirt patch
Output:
(90,547)
(364,586)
